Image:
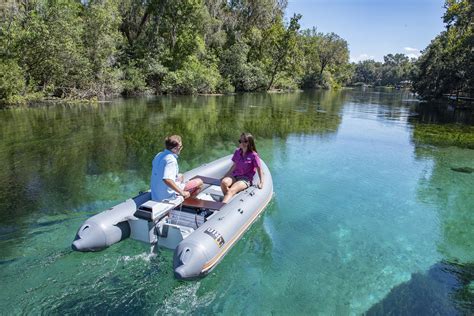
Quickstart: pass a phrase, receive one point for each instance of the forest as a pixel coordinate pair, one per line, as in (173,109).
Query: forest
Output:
(70,49)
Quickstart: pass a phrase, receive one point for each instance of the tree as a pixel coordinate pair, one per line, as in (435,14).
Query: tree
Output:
(12,80)
(332,51)
(323,56)
(368,72)
(396,68)
(446,65)
(100,48)
(242,74)
(50,47)
(101,40)
(281,45)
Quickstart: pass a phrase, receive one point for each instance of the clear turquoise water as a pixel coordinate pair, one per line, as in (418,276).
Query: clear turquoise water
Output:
(365,218)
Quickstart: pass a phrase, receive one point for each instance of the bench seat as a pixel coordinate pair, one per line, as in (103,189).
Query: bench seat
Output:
(193,202)
(208,180)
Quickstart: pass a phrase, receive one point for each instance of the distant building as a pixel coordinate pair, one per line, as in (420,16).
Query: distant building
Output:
(405,84)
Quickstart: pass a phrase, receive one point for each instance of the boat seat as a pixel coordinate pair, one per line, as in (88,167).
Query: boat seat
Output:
(208,180)
(212,205)
(215,192)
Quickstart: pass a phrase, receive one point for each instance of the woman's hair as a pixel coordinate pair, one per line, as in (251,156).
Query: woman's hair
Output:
(251,143)
(172,141)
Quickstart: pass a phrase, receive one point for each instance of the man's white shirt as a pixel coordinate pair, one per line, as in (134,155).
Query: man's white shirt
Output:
(164,166)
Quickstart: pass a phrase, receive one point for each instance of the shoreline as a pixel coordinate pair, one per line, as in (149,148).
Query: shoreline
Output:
(459,103)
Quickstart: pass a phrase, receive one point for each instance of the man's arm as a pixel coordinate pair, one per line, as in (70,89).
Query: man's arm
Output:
(170,183)
(169,177)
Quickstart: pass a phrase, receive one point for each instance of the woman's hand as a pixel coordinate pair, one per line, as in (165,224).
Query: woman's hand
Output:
(260,185)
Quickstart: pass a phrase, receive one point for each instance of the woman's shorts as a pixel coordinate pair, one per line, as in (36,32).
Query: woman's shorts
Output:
(244,180)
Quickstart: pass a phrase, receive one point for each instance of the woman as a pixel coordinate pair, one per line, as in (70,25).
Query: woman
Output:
(246,162)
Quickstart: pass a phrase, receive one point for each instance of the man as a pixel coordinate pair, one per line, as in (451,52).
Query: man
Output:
(166,182)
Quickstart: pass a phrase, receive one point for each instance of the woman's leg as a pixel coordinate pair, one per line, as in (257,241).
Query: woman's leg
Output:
(234,189)
(226,183)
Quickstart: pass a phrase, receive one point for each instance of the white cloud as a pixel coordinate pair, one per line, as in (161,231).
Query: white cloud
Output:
(361,57)
(411,49)
(412,52)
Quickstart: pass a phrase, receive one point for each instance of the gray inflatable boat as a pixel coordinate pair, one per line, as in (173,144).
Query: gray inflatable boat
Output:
(200,230)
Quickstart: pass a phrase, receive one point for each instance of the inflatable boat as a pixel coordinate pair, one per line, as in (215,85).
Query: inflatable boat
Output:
(201,230)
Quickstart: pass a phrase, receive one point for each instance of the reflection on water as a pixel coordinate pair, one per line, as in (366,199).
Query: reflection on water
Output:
(66,157)
(444,114)
(366,205)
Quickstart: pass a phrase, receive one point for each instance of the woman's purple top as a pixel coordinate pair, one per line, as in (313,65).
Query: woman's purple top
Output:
(245,166)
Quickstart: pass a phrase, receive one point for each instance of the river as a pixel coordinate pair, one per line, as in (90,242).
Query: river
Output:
(372,211)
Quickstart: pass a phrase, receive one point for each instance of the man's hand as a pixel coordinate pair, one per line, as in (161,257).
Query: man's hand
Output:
(170,183)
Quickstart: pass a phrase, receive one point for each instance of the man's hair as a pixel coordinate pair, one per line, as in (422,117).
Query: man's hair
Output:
(172,141)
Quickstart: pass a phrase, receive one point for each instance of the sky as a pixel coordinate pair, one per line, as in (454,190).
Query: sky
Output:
(374,28)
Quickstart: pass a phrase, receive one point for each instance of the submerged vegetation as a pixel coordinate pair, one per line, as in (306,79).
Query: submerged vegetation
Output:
(445,135)
(95,49)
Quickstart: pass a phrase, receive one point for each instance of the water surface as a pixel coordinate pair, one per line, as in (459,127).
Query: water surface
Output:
(371,214)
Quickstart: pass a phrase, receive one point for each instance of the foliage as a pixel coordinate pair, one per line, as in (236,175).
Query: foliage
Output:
(446,66)
(133,80)
(280,48)
(242,74)
(368,72)
(325,59)
(396,70)
(99,48)
(194,77)
(101,38)
(51,50)
(12,81)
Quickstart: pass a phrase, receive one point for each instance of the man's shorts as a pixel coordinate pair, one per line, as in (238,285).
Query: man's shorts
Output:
(192,185)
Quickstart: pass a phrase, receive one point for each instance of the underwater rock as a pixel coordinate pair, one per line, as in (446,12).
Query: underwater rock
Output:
(463,169)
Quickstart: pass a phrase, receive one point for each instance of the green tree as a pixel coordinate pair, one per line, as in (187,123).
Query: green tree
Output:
(446,65)
(333,50)
(309,45)
(280,45)
(243,75)
(101,40)
(324,56)
(100,48)
(368,72)
(396,68)
(12,82)
(50,47)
